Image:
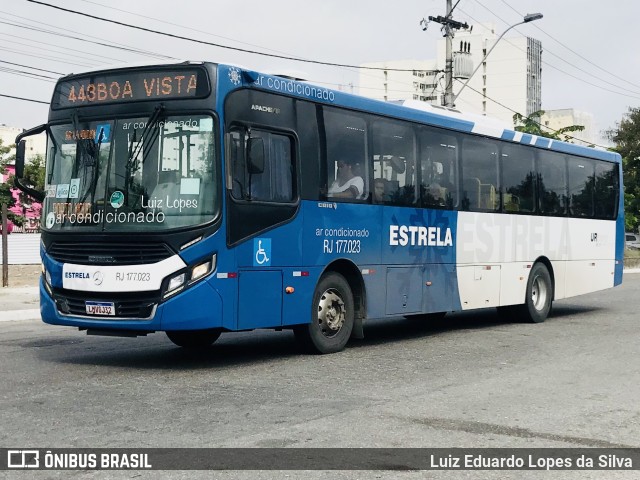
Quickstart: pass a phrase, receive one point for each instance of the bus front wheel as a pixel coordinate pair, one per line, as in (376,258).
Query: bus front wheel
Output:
(332,314)
(194,338)
(537,304)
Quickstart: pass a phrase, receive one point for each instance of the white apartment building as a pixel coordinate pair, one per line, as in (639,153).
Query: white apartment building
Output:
(566,117)
(401,80)
(509,81)
(36,144)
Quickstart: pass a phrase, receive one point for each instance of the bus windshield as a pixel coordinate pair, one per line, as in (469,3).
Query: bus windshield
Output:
(133,174)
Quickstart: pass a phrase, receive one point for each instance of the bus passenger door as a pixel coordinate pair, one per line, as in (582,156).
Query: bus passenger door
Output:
(259,299)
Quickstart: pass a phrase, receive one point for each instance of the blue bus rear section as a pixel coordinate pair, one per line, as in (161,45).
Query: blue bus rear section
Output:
(399,260)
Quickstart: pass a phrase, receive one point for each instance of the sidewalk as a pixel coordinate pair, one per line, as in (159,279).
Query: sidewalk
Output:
(20,301)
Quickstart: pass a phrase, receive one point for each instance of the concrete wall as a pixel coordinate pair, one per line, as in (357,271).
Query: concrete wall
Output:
(24,248)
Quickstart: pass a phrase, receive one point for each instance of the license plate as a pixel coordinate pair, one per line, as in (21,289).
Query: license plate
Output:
(101,308)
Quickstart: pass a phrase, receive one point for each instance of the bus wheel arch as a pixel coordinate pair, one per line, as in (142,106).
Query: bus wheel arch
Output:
(540,291)
(353,276)
(335,309)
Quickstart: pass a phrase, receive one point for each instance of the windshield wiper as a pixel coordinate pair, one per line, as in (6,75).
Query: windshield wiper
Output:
(151,122)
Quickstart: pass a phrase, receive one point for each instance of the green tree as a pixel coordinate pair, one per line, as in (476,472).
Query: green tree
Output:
(626,139)
(532,125)
(6,196)
(33,177)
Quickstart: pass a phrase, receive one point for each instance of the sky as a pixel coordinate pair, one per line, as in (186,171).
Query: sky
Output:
(590,59)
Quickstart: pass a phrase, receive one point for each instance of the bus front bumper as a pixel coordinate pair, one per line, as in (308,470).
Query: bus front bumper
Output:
(198,308)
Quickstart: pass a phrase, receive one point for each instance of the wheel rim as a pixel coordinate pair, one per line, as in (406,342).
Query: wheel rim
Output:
(539,293)
(331,312)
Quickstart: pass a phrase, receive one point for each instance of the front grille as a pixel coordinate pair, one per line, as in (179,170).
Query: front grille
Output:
(89,253)
(127,304)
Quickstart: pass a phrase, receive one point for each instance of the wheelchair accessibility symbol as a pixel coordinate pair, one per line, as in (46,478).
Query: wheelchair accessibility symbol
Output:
(261,252)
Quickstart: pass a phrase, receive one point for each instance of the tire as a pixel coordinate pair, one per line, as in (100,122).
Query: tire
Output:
(194,338)
(332,316)
(539,295)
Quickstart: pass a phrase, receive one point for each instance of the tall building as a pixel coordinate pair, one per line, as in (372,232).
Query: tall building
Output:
(400,80)
(36,144)
(566,117)
(509,81)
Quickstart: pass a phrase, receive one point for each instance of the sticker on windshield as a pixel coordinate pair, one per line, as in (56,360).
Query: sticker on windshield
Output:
(103,132)
(117,199)
(189,186)
(62,190)
(51,191)
(51,220)
(206,125)
(74,188)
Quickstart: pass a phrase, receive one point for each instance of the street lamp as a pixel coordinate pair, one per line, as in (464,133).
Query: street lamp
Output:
(529,17)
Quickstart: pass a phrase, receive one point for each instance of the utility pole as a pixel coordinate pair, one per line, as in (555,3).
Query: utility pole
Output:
(448,27)
(5,254)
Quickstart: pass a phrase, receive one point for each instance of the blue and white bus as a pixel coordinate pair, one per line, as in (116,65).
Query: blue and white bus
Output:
(199,198)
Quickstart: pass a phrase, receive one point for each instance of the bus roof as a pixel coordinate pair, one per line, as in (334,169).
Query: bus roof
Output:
(408,109)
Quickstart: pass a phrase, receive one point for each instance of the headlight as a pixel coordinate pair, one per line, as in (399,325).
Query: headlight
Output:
(175,285)
(203,269)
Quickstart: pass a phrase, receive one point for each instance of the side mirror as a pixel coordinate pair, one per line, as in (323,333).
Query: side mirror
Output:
(20,161)
(20,149)
(255,157)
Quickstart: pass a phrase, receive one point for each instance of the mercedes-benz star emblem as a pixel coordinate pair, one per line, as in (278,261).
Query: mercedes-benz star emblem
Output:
(98,277)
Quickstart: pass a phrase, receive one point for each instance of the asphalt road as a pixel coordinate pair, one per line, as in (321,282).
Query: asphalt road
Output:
(471,380)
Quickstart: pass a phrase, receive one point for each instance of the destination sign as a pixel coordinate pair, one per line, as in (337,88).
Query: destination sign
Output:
(130,86)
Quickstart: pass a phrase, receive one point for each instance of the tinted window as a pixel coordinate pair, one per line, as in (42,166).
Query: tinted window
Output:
(393,164)
(606,190)
(518,179)
(273,181)
(347,168)
(552,176)
(581,183)
(479,175)
(438,169)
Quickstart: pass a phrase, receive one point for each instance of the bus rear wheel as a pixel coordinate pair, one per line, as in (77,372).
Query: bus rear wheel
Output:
(537,304)
(194,338)
(332,314)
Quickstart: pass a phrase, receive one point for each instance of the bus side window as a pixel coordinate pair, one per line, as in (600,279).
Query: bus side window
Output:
(480,175)
(438,169)
(394,161)
(347,174)
(552,183)
(274,183)
(518,179)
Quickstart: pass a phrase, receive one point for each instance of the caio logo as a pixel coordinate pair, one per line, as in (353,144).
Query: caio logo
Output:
(23,459)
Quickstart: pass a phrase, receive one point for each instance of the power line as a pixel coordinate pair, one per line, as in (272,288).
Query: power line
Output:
(59,59)
(32,68)
(22,98)
(574,52)
(112,45)
(537,123)
(49,50)
(226,38)
(23,73)
(180,26)
(203,42)
(12,36)
(607,82)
